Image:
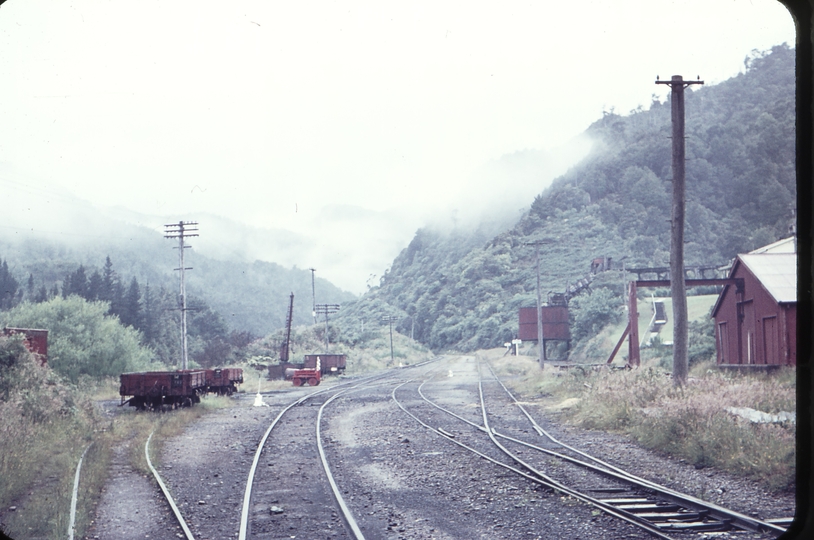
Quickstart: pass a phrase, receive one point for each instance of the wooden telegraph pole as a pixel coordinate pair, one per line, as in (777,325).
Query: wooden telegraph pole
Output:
(677,286)
(540,336)
(182,230)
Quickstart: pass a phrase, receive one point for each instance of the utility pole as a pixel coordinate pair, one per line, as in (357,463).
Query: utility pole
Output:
(391,319)
(313,296)
(181,230)
(326,309)
(678,290)
(285,350)
(540,337)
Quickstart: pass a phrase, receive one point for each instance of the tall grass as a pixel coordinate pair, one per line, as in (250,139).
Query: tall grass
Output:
(689,422)
(46,424)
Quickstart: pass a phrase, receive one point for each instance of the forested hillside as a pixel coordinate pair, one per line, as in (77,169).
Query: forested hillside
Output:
(459,290)
(134,275)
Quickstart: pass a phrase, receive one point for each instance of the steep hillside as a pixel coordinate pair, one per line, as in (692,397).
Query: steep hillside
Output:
(459,290)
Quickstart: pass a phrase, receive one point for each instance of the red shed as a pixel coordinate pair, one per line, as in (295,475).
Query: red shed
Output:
(758,325)
(555,323)
(36,340)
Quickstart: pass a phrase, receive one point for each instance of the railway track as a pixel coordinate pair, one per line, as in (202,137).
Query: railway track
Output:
(418,458)
(312,481)
(660,505)
(653,508)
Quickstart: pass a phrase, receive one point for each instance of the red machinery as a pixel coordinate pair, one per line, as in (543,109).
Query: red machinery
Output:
(310,376)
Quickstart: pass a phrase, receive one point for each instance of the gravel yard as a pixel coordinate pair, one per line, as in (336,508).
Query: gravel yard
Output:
(400,480)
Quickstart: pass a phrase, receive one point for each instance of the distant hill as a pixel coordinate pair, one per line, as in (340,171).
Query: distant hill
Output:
(250,296)
(461,289)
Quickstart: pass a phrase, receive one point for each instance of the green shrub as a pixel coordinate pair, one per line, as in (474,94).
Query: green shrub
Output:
(82,339)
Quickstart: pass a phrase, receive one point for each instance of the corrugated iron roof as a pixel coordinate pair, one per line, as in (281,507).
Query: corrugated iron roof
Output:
(776,271)
(786,245)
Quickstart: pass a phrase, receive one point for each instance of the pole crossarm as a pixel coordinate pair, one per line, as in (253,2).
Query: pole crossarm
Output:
(678,80)
(327,309)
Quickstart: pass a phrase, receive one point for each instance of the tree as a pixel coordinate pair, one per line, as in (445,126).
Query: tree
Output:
(95,286)
(151,316)
(131,314)
(109,280)
(8,287)
(83,340)
(76,283)
(42,295)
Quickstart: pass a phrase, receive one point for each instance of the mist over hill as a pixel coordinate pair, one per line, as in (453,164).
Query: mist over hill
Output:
(461,288)
(250,296)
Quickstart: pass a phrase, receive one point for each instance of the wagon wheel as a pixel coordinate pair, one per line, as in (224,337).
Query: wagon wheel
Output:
(313,381)
(297,382)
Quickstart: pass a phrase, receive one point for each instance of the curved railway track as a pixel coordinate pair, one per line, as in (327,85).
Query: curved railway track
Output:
(647,505)
(335,392)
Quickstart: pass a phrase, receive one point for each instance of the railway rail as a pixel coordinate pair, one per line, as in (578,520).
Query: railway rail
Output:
(650,506)
(334,393)
(323,478)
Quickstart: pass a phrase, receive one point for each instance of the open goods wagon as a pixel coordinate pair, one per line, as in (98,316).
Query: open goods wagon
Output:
(156,389)
(330,364)
(223,381)
(181,388)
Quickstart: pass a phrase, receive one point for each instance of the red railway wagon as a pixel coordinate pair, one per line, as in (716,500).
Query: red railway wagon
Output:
(155,389)
(223,381)
(331,364)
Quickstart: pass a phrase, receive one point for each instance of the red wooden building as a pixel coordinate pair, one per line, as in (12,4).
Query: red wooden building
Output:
(757,326)
(35,340)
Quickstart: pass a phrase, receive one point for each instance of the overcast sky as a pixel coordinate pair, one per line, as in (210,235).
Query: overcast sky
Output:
(349,123)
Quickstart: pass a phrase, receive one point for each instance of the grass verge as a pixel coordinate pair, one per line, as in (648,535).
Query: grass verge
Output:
(47,425)
(689,422)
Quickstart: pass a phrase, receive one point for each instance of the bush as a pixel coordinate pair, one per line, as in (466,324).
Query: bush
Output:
(81,338)
(593,312)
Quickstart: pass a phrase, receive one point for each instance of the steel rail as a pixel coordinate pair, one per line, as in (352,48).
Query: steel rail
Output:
(247,495)
(538,477)
(626,516)
(615,473)
(166,491)
(72,519)
(739,520)
(346,513)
